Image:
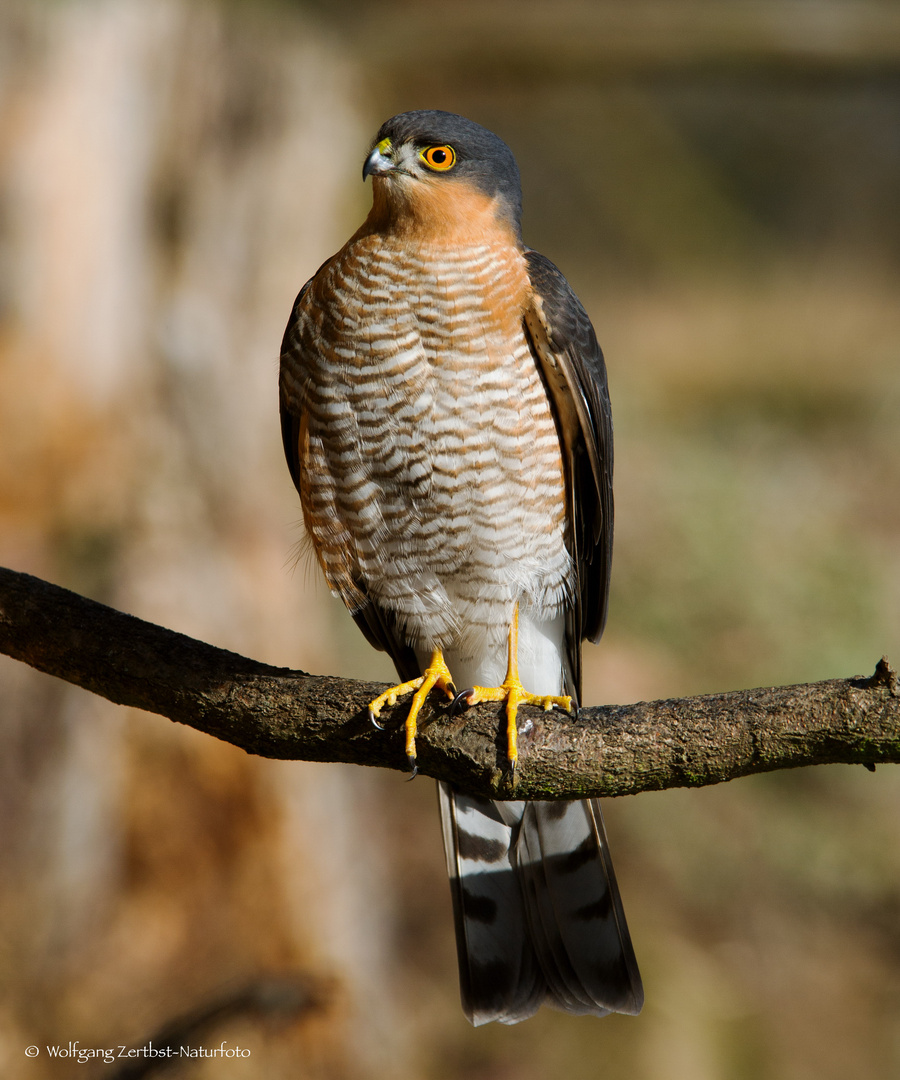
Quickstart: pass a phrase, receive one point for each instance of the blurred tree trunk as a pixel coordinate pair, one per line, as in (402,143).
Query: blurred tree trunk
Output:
(158,213)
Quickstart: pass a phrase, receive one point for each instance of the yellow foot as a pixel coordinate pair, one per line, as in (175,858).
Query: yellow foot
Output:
(436,674)
(514,694)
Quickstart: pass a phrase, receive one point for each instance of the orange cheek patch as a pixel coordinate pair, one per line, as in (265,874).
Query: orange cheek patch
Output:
(453,210)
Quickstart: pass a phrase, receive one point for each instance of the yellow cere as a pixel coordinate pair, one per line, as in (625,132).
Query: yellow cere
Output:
(384,147)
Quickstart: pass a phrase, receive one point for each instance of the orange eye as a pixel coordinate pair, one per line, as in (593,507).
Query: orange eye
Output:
(439,158)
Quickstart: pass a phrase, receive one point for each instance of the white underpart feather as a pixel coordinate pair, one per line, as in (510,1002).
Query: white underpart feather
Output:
(540,658)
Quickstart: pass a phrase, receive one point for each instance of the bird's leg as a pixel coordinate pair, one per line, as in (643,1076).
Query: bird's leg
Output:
(436,674)
(514,694)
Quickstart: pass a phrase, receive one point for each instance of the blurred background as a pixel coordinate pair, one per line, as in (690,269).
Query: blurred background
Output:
(720,181)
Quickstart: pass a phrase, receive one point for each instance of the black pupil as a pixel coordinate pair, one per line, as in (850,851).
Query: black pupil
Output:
(439,156)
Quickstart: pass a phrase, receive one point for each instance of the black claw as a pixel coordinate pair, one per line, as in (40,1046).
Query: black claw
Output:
(413,767)
(375,722)
(460,699)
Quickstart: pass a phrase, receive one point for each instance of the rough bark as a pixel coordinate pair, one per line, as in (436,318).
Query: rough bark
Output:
(606,750)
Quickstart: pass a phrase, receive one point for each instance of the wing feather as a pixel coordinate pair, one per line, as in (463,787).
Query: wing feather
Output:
(569,356)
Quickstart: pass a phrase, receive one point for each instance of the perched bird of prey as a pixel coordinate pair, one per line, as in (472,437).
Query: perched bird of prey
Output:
(447,424)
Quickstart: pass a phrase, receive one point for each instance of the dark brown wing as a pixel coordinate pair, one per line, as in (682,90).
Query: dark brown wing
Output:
(291,411)
(571,361)
(377,624)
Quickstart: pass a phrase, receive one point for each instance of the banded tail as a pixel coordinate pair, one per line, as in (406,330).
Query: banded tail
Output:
(537,909)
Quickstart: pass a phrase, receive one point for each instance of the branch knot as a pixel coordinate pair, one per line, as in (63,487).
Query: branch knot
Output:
(885,676)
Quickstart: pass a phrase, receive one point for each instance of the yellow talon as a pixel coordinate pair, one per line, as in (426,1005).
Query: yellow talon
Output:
(514,694)
(436,674)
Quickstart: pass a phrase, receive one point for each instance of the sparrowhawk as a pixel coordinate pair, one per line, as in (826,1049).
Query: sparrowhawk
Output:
(447,424)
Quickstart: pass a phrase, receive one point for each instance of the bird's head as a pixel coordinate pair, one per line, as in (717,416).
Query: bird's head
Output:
(438,171)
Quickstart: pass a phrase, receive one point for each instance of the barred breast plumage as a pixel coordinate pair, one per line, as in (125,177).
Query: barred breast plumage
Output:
(431,459)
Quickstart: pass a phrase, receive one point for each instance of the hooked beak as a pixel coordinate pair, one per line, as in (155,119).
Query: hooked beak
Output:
(379,161)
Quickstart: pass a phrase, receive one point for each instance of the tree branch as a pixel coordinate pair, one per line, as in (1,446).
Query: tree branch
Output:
(606,750)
